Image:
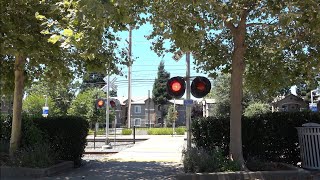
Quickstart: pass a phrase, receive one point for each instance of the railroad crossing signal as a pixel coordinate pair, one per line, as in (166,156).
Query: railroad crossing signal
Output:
(200,87)
(102,103)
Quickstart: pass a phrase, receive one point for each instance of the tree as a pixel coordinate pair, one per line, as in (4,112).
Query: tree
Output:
(33,104)
(256,108)
(56,40)
(60,93)
(84,105)
(172,115)
(246,38)
(159,91)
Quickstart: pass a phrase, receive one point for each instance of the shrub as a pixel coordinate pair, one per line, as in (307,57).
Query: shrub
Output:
(35,156)
(126,131)
(268,137)
(30,133)
(197,160)
(256,108)
(160,131)
(67,136)
(180,130)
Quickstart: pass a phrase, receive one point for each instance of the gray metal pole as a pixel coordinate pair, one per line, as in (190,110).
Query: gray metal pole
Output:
(107,111)
(129,77)
(188,108)
(174,112)
(149,109)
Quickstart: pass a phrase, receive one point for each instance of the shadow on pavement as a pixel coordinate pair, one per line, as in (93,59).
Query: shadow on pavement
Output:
(122,170)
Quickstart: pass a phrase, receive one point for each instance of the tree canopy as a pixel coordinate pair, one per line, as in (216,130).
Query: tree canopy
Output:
(56,40)
(270,43)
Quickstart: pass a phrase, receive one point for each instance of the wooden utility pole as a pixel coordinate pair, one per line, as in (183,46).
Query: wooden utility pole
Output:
(129,77)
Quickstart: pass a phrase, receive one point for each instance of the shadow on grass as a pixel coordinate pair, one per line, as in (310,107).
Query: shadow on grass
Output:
(122,170)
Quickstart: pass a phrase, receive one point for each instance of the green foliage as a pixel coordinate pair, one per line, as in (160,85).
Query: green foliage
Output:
(84,105)
(35,156)
(67,136)
(172,115)
(221,93)
(198,160)
(59,92)
(126,131)
(180,130)
(165,131)
(257,108)
(31,135)
(159,91)
(268,137)
(52,138)
(33,104)
(99,132)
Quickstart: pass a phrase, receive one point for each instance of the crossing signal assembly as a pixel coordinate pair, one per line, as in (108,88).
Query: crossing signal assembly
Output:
(200,87)
(102,102)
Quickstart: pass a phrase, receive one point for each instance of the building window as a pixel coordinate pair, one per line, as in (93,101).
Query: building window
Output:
(137,109)
(137,121)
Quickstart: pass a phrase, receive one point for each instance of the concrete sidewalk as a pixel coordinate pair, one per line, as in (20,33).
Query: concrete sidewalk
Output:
(162,148)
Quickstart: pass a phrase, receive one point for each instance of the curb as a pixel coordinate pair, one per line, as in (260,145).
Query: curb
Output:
(242,175)
(7,171)
(99,152)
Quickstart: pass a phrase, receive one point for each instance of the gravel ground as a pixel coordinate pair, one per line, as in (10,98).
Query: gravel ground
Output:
(116,146)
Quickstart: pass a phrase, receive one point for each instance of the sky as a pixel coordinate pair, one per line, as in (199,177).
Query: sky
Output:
(145,66)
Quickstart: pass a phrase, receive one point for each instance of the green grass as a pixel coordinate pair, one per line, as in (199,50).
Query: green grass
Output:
(99,132)
(165,131)
(126,131)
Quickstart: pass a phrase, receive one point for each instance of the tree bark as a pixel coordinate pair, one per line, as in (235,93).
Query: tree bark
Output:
(17,103)
(237,67)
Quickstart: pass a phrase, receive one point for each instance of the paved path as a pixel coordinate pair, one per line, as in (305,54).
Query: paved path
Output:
(156,148)
(159,157)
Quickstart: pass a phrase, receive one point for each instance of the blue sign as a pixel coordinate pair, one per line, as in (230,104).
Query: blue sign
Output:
(188,102)
(45,111)
(313,107)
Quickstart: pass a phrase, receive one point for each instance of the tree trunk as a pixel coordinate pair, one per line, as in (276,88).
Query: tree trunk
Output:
(17,103)
(236,107)
(237,67)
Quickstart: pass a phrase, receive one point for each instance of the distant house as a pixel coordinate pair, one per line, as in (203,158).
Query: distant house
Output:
(143,112)
(289,103)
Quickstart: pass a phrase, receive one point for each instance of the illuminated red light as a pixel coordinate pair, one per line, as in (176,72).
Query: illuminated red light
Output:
(176,86)
(100,103)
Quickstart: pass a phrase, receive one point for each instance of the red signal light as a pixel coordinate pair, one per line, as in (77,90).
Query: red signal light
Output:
(176,87)
(200,87)
(112,104)
(100,103)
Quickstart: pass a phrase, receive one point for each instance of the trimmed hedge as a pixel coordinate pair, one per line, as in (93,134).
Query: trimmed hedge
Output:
(65,135)
(126,131)
(165,131)
(268,137)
